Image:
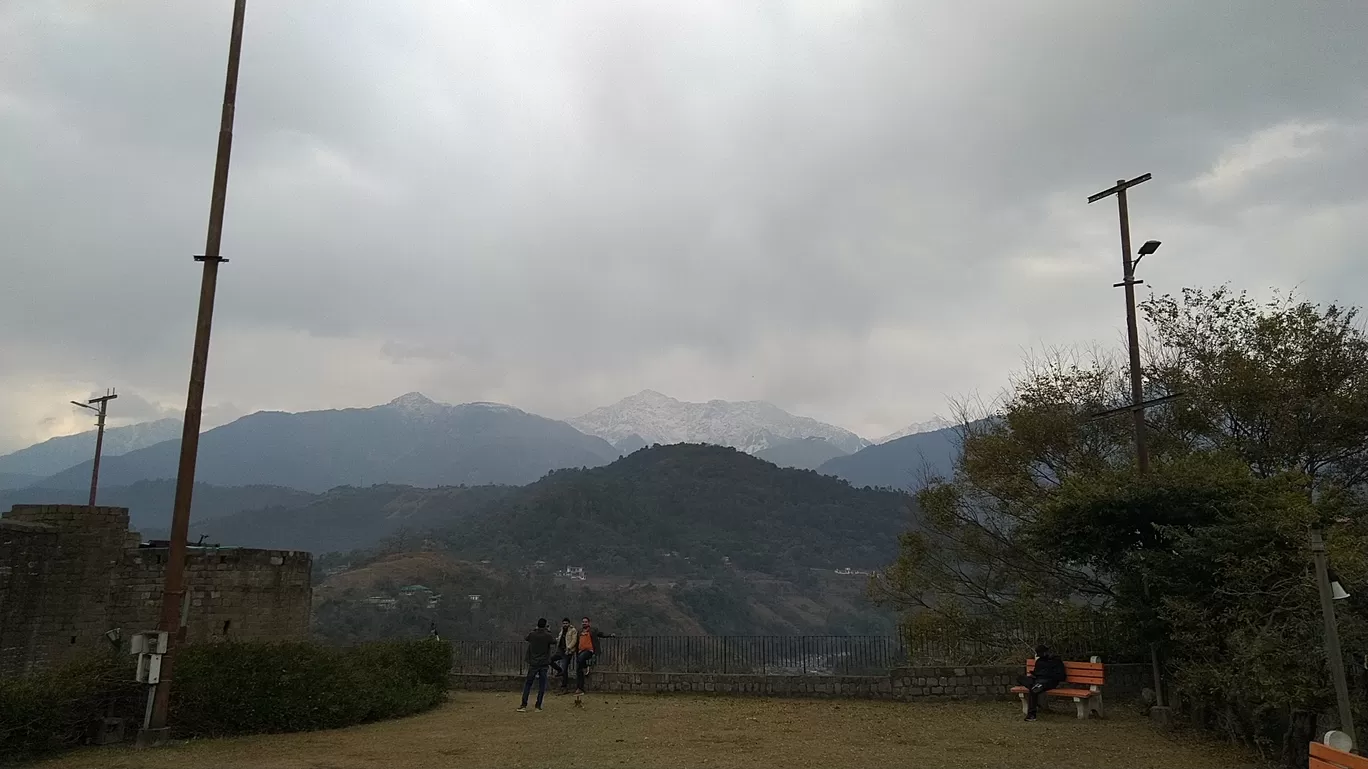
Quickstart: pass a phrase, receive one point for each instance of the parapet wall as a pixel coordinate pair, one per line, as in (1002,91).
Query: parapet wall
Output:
(1124,681)
(69,574)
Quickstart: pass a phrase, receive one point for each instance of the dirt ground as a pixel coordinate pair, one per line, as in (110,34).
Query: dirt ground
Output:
(481,729)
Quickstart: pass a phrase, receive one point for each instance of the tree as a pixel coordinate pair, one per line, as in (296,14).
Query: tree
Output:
(1280,387)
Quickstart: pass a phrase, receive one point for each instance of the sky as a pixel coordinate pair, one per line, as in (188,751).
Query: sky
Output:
(857,210)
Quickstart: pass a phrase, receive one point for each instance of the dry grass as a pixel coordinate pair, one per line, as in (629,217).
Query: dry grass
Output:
(481,729)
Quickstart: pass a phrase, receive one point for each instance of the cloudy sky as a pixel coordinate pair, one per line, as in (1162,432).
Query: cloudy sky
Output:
(856,210)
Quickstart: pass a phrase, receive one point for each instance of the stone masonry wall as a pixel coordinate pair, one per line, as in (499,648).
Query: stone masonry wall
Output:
(1124,681)
(235,593)
(69,574)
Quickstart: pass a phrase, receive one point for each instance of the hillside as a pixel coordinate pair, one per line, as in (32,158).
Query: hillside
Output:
(17,480)
(704,502)
(149,502)
(409,441)
(57,454)
(901,463)
(805,454)
(650,417)
(349,518)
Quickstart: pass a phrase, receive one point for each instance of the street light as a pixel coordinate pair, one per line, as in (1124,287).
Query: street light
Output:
(1150,247)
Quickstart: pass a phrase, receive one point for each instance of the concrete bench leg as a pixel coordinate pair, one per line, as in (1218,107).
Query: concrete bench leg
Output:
(1025,709)
(1096,703)
(1081,705)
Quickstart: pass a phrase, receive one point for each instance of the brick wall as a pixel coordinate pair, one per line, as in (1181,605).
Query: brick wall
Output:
(69,574)
(1124,681)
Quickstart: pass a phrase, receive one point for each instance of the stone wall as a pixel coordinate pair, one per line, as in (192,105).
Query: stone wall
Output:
(69,574)
(1124,681)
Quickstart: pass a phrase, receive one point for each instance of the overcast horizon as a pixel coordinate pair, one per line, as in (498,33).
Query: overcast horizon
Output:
(857,211)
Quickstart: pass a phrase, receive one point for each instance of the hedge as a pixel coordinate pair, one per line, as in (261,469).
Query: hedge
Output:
(51,711)
(225,689)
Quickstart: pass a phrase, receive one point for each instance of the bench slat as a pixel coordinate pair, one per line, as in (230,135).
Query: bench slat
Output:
(1082,673)
(1330,758)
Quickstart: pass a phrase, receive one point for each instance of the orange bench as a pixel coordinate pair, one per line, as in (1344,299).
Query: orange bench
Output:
(1082,683)
(1325,757)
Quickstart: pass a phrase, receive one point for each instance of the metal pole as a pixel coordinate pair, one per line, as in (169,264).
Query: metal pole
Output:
(99,438)
(156,728)
(1132,333)
(99,444)
(1137,408)
(1332,644)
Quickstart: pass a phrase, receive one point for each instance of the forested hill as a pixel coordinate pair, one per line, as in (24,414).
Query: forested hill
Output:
(695,504)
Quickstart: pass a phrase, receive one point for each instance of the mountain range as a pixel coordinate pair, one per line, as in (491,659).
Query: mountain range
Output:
(30,465)
(750,426)
(411,440)
(415,441)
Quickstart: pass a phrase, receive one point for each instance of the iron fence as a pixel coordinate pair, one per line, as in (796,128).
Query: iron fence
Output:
(815,655)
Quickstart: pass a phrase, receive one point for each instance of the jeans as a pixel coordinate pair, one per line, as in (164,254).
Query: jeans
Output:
(581,666)
(1034,688)
(538,673)
(563,669)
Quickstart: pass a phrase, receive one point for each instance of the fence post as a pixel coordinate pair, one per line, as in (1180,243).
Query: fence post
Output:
(724,655)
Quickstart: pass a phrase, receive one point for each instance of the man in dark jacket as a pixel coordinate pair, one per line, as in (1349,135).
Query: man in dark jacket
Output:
(1047,674)
(539,643)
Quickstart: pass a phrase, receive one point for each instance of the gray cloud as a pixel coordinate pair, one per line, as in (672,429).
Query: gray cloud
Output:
(855,210)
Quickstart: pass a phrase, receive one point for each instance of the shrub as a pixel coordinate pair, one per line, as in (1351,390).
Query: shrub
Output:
(50,711)
(228,688)
(242,688)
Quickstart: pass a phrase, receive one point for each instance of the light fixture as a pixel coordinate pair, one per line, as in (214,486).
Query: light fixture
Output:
(1150,247)
(1337,591)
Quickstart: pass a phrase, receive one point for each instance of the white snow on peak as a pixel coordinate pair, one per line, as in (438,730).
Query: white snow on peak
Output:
(413,400)
(750,426)
(928,426)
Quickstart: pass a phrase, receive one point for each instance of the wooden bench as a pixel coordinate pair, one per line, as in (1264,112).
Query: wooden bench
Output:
(1082,683)
(1325,757)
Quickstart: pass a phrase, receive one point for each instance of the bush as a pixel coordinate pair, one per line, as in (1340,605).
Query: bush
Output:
(228,688)
(240,688)
(55,710)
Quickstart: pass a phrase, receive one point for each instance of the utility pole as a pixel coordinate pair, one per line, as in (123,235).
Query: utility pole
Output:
(101,410)
(1332,645)
(155,729)
(1138,403)
(1129,282)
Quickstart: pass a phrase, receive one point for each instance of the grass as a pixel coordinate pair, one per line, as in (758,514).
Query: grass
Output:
(482,729)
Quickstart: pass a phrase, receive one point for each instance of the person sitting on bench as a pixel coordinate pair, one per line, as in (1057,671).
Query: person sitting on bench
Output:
(1048,674)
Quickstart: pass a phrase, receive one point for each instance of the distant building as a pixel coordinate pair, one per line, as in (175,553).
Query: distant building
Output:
(574,572)
(382,602)
(845,572)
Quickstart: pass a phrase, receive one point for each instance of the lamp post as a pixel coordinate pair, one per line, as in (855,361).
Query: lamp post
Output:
(1330,591)
(101,410)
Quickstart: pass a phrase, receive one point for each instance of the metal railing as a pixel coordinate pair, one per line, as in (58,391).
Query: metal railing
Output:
(809,655)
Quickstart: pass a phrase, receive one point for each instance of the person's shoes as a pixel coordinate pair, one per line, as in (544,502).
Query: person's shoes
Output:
(522,709)
(1031,717)
(539,709)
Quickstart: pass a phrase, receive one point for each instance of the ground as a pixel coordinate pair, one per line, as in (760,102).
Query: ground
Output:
(481,728)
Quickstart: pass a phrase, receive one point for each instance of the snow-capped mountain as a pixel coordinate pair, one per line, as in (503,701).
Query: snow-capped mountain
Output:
(750,426)
(928,426)
(57,454)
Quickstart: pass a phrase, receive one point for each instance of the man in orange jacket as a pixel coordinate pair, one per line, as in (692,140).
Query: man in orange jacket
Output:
(585,653)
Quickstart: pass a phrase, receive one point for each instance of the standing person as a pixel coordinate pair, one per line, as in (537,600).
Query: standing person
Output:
(585,655)
(1047,674)
(539,643)
(567,642)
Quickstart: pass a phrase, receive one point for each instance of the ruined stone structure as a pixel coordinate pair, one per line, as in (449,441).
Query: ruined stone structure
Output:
(69,575)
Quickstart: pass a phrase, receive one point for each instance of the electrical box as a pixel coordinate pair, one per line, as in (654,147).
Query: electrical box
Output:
(149,668)
(153,642)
